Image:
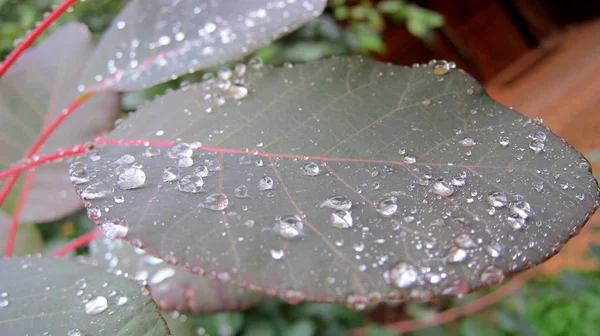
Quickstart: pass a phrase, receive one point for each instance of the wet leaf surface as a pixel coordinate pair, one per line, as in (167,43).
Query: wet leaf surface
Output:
(173,289)
(51,296)
(342,180)
(33,93)
(151,41)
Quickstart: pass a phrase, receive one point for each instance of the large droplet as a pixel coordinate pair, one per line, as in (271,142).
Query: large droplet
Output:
(456,255)
(402,275)
(216,202)
(126,159)
(277,254)
(467,142)
(341,219)
(201,170)
(465,241)
(185,162)
(520,209)
(115,227)
(516,223)
(131,178)
(491,275)
(311,169)
(179,150)
(241,191)
(496,199)
(97,190)
(191,184)
(289,226)
(265,183)
(78,173)
(340,203)
(443,188)
(537,145)
(441,67)
(169,174)
(96,305)
(388,206)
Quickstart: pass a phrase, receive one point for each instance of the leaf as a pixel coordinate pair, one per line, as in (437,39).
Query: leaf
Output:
(152,41)
(51,296)
(447,190)
(173,289)
(595,249)
(32,93)
(28,239)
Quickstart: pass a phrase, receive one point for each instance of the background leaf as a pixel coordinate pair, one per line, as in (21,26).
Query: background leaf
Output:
(27,241)
(173,289)
(32,93)
(441,189)
(60,297)
(152,41)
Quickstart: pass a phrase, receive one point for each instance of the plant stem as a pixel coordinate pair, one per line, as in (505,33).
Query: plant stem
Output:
(14,55)
(77,149)
(75,243)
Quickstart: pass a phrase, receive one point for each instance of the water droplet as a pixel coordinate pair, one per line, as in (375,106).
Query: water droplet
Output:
(538,186)
(456,255)
(169,174)
(341,219)
(504,141)
(465,241)
(277,254)
(255,63)
(491,275)
(119,199)
(340,203)
(520,209)
(115,227)
(96,305)
(131,178)
(179,150)
(496,199)
(289,226)
(152,152)
(120,300)
(467,142)
(201,171)
(75,332)
(580,196)
(97,190)
(4,302)
(388,206)
(540,136)
(537,145)
(265,183)
(161,275)
(409,159)
(402,275)
(358,247)
(191,184)
(78,173)
(237,92)
(185,162)
(459,181)
(516,223)
(311,169)
(293,296)
(126,159)
(216,202)
(493,250)
(441,67)
(443,188)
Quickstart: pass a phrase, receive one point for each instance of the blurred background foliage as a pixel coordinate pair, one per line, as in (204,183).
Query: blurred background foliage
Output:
(567,303)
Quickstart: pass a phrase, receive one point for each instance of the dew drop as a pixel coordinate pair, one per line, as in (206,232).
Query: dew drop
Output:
(131,178)
(459,181)
(152,152)
(119,199)
(96,305)
(311,169)
(74,332)
(538,186)
(126,159)
(521,209)
(456,255)
(179,150)
(169,174)
(341,219)
(241,191)
(201,171)
(216,202)
(441,67)
(516,223)
(409,159)
(265,183)
(580,196)
(493,250)
(237,92)
(115,227)
(443,188)
(289,226)
(467,142)
(255,63)
(504,141)
(402,275)
(277,254)
(191,184)
(496,199)
(537,145)
(121,300)
(465,241)
(340,203)
(185,162)
(358,247)
(491,275)
(388,206)
(95,191)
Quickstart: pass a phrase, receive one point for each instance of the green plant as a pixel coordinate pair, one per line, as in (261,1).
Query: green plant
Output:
(340,181)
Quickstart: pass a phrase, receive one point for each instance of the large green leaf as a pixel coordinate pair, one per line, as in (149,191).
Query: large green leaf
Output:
(34,92)
(152,41)
(173,289)
(341,180)
(47,296)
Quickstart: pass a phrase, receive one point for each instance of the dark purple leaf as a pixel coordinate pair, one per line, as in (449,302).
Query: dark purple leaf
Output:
(49,296)
(34,92)
(341,180)
(153,41)
(173,289)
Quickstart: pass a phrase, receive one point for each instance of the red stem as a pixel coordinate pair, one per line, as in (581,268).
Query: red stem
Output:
(14,55)
(75,243)
(10,242)
(77,149)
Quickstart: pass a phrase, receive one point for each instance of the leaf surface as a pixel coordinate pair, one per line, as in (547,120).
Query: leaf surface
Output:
(153,41)
(33,93)
(62,297)
(173,289)
(342,180)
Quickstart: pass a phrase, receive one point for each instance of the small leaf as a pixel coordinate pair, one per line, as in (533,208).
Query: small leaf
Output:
(173,289)
(28,239)
(34,92)
(595,249)
(152,41)
(60,297)
(344,180)
(379,330)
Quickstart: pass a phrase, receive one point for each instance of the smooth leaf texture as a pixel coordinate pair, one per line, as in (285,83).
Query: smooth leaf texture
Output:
(28,239)
(32,93)
(153,41)
(173,289)
(441,189)
(47,296)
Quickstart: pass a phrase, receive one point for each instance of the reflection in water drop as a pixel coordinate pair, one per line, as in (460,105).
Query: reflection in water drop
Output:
(289,226)
(96,305)
(341,203)
(402,275)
